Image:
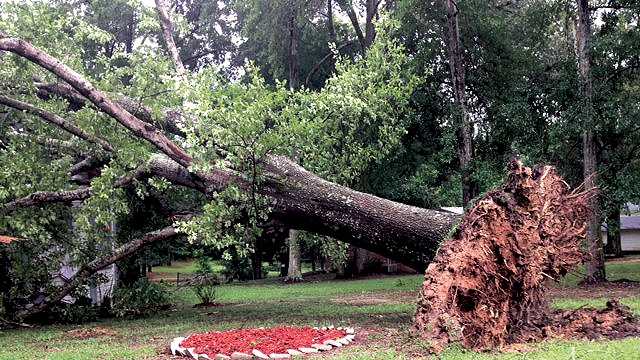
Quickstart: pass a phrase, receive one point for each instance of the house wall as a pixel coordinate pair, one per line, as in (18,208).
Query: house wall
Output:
(630,239)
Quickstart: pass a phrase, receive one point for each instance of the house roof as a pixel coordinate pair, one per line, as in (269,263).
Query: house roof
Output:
(629,222)
(7,239)
(626,223)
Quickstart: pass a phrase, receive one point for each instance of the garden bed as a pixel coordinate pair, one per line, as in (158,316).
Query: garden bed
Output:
(271,343)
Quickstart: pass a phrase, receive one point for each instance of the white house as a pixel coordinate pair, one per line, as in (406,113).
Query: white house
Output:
(97,292)
(629,233)
(108,275)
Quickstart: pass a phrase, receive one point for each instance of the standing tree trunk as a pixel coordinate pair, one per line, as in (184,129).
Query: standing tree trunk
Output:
(330,25)
(614,240)
(347,7)
(5,282)
(293,56)
(595,264)
(369,26)
(167,34)
(294,271)
(365,39)
(465,128)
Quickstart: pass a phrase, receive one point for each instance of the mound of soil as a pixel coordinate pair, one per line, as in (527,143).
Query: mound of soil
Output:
(616,321)
(486,287)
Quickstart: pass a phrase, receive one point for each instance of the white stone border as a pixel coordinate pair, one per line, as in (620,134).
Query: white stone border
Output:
(176,349)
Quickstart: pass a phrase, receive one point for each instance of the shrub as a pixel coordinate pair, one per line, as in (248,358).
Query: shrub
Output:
(77,313)
(205,288)
(141,299)
(236,267)
(205,282)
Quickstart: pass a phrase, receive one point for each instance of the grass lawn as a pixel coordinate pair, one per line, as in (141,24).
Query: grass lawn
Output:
(381,310)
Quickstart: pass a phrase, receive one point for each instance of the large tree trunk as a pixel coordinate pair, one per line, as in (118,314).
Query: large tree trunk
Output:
(614,240)
(294,40)
(461,113)
(167,35)
(302,200)
(595,264)
(294,270)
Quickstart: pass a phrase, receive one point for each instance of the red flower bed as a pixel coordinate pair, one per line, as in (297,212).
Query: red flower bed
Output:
(275,340)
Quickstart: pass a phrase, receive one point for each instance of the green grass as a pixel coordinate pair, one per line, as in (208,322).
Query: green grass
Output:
(614,271)
(386,322)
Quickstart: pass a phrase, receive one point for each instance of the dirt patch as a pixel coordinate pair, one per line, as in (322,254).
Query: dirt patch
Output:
(616,321)
(625,259)
(88,333)
(487,287)
(208,305)
(399,297)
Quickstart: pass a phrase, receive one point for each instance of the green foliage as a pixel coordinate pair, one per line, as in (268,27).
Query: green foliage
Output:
(265,28)
(205,281)
(236,266)
(143,298)
(313,245)
(77,313)
(338,132)
(381,122)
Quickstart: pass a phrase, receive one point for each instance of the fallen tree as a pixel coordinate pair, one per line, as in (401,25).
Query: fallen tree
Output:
(486,288)
(297,198)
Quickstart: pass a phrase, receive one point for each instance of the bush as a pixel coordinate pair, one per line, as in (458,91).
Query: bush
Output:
(236,267)
(205,282)
(141,299)
(77,313)
(205,288)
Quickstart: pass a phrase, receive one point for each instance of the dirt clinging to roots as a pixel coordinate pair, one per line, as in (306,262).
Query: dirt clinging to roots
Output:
(486,286)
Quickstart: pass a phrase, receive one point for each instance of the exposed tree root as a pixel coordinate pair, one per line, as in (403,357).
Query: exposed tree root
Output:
(486,287)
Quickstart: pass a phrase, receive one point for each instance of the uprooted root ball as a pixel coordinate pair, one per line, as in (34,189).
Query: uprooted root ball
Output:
(486,286)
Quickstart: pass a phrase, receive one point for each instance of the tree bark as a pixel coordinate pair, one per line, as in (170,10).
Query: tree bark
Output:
(55,120)
(156,166)
(294,42)
(595,264)
(138,127)
(294,270)
(330,24)
(369,26)
(464,132)
(347,7)
(302,200)
(614,240)
(167,35)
